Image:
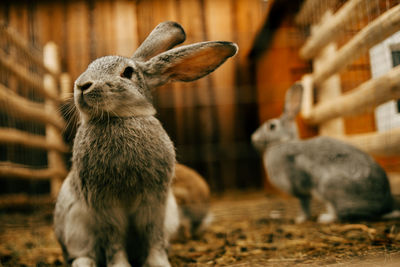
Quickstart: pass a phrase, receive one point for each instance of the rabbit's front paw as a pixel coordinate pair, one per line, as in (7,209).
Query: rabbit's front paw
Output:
(83,262)
(301,218)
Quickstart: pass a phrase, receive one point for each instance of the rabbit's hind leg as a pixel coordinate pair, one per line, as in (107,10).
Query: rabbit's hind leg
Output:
(157,257)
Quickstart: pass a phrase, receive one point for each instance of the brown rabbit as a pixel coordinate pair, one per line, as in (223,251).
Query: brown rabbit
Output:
(192,194)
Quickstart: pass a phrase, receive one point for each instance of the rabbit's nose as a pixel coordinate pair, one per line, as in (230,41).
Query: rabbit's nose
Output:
(85,86)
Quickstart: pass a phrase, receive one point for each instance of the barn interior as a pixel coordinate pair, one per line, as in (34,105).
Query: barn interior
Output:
(345,53)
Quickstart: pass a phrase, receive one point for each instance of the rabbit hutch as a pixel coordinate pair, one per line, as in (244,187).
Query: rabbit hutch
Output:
(344,53)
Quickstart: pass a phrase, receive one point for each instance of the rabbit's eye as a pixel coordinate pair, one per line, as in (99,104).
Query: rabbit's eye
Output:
(128,71)
(272,126)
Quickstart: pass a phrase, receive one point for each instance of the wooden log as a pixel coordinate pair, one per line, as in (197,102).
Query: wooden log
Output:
(13,170)
(30,52)
(14,136)
(308,96)
(361,99)
(375,32)
(27,110)
(328,89)
(66,86)
(308,13)
(17,201)
(53,134)
(23,74)
(332,29)
(376,143)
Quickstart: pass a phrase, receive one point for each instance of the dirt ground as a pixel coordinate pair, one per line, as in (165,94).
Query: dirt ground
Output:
(248,229)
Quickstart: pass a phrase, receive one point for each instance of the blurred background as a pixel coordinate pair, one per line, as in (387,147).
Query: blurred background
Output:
(210,120)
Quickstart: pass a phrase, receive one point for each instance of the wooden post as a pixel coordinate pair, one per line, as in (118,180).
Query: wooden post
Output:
(66,86)
(308,96)
(329,88)
(54,158)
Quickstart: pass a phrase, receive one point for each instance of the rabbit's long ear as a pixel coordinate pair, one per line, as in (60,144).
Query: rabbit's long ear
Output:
(165,36)
(293,101)
(187,63)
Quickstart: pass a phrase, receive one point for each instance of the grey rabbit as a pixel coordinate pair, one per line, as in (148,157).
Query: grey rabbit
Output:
(349,181)
(116,206)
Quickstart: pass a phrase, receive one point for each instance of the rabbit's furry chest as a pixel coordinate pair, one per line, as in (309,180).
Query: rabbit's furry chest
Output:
(123,158)
(277,168)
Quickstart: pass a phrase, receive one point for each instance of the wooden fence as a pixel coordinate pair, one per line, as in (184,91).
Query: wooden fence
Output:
(30,95)
(331,106)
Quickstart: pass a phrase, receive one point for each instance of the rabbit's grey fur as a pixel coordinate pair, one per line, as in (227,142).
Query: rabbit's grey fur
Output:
(349,181)
(116,207)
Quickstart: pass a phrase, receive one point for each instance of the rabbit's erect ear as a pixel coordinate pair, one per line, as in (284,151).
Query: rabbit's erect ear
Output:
(293,101)
(187,63)
(165,36)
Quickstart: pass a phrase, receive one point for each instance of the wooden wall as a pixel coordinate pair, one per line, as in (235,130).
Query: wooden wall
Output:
(209,120)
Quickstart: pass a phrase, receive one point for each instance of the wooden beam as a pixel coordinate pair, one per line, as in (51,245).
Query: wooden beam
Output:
(13,170)
(308,15)
(361,99)
(10,201)
(55,159)
(307,101)
(23,74)
(376,143)
(13,136)
(27,110)
(375,32)
(332,29)
(329,89)
(17,201)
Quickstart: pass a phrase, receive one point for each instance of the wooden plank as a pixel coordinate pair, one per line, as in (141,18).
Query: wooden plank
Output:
(78,41)
(190,99)
(333,28)
(11,201)
(12,170)
(219,27)
(249,16)
(125,27)
(103,27)
(361,99)
(375,32)
(376,143)
(13,136)
(27,110)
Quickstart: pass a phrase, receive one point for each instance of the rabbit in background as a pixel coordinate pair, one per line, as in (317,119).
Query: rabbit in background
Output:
(349,181)
(116,206)
(192,195)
